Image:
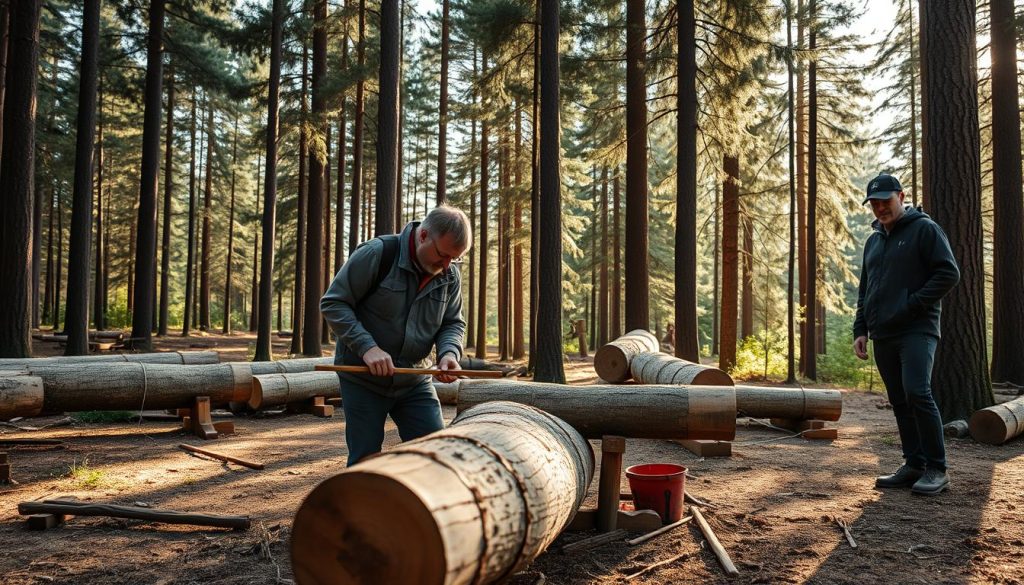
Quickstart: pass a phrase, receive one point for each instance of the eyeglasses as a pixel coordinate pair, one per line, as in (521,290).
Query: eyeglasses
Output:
(445,257)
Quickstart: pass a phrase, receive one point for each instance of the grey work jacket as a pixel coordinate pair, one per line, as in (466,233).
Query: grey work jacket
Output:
(403,321)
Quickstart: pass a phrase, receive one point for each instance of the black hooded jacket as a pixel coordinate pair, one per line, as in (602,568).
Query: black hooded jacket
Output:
(905,274)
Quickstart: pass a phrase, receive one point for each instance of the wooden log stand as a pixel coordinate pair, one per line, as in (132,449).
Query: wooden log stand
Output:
(5,469)
(706,448)
(607,517)
(199,422)
(317,406)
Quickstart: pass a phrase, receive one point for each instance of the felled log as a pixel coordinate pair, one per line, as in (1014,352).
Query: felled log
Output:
(20,396)
(791,403)
(278,389)
(447,393)
(473,503)
(135,512)
(165,357)
(998,424)
(661,368)
(7,371)
(131,386)
(645,412)
(611,362)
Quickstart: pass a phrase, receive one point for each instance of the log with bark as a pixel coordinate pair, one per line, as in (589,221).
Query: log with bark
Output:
(20,396)
(78,508)
(473,503)
(278,389)
(166,357)
(661,368)
(447,393)
(791,403)
(634,411)
(611,362)
(130,386)
(998,424)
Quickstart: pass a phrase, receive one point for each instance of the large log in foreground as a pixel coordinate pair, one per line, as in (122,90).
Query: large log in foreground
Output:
(998,424)
(130,386)
(791,403)
(661,368)
(611,362)
(164,357)
(634,411)
(278,389)
(473,503)
(20,396)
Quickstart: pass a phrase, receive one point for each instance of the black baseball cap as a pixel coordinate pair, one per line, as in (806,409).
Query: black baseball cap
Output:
(882,187)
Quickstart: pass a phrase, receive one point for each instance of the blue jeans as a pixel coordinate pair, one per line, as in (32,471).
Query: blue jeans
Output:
(415,410)
(905,364)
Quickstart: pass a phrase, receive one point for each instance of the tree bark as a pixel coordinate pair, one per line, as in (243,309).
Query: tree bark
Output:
(387,119)
(480,500)
(20,395)
(5,22)
(790,403)
(686,342)
(747,262)
(671,412)
(548,364)
(810,353)
(616,310)
(611,362)
(312,328)
(442,116)
(602,302)
(481,306)
(77,319)
(164,357)
(637,277)
(800,148)
(279,389)
(165,258)
(357,136)
(190,261)
(299,291)
(145,249)
(518,314)
(730,263)
(226,326)
(961,379)
(1008,204)
(204,270)
(994,425)
(660,368)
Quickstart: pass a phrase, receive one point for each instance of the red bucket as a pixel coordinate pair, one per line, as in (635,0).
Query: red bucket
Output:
(658,487)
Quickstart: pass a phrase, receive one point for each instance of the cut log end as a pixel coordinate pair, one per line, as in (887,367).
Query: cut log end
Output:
(611,364)
(990,426)
(338,538)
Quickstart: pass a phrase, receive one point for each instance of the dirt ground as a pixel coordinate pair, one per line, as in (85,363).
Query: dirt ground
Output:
(774,503)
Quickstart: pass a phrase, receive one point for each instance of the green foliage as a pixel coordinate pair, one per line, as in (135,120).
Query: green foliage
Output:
(762,357)
(85,477)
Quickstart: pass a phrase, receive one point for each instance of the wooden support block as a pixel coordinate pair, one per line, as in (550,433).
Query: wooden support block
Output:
(199,421)
(821,434)
(705,448)
(633,520)
(797,425)
(225,427)
(317,406)
(5,473)
(612,448)
(44,521)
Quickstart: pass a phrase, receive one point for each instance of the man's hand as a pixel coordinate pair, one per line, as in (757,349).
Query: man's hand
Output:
(860,347)
(448,363)
(379,362)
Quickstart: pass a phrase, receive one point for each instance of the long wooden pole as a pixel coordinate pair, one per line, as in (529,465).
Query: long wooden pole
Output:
(77,508)
(222,457)
(415,371)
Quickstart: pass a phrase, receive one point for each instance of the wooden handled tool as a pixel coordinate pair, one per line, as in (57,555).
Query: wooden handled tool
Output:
(427,371)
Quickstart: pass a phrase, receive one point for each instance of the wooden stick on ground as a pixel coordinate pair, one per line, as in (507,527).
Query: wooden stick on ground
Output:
(151,514)
(222,457)
(417,371)
(594,541)
(658,564)
(846,532)
(716,546)
(696,502)
(659,531)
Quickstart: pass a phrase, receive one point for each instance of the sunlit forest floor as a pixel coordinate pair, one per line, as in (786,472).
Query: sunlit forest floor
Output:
(774,503)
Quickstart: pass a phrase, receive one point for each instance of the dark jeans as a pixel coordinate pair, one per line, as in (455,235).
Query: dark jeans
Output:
(905,364)
(416,411)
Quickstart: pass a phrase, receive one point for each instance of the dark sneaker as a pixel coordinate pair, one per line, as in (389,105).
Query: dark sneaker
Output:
(904,477)
(932,483)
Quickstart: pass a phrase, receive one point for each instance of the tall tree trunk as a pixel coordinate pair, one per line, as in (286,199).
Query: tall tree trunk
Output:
(637,277)
(357,136)
(715,281)
(60,264)
(269,223)
(226,327)
(687,345)
(481,319)
(5,22)
(730,261)
(926,164)
(548,364)
(801,185)
(16,175)
(1008,242)
(791,272)
(747,293)
(592,306)
(518,339)
(501,244)
(602,313)
(48,289)
(254,314)
(442,117)
(810,351)
(190,258)
(616,308)
(131,260)
(535,193)
(960,381)
(299,291)
(165,258)
(471,315)
(311,327)
(77,328)
(339,214)
(915,64)
(387,119)
(204,270)
(325,272)
(145,249)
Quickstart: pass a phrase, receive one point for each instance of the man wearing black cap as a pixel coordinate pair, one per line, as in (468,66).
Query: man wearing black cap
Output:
(908,267)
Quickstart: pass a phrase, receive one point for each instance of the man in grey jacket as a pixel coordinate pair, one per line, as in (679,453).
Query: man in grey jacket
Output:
(908,268)
(397,298)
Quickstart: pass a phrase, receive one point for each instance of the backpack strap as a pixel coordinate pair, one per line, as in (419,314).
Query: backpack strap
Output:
(387,260)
